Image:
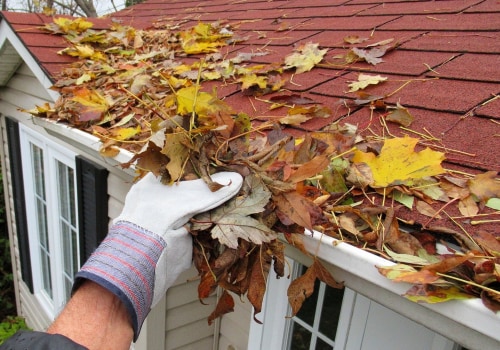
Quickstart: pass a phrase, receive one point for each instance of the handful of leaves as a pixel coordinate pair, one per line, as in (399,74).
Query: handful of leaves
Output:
(132,91)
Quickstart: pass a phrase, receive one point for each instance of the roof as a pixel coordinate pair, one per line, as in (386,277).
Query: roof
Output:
(442,68)
(455,41)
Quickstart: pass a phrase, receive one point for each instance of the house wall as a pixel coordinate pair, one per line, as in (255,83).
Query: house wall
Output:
(180,320)
(22,91)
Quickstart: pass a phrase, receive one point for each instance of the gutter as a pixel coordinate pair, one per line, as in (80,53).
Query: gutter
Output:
(467,322)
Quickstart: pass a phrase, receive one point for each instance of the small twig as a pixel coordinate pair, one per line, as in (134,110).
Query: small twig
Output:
(479,222)
(469,282)
(439,211)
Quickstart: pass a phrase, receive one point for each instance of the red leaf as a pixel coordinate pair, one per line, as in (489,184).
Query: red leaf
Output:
(224,306)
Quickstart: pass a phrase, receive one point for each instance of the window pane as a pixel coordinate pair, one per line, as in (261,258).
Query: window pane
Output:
(67,225)
(308,309)
(66,248)
(38,178)
(300,337)
(41,216)
(38,171)
(321,345)
(62,180)
(331,311)
(46,275)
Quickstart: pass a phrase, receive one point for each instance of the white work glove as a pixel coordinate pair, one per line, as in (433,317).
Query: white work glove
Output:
(147,246)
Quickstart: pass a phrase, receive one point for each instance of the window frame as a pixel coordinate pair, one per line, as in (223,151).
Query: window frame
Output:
(352,319)
(52,154)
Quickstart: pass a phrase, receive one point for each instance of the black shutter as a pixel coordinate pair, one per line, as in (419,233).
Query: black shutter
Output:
(92,187)
(16,172)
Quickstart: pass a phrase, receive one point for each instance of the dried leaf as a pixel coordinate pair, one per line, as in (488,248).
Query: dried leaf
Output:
(468,207)
(397,162)
(224,306)
(300,289)
(448,263)
(233,219)
(305,58)
(371,55)
(485,186)
(427,210)
(406,273)
(365,80)
(400,115)
(354,39)
(258,280)
(435,294)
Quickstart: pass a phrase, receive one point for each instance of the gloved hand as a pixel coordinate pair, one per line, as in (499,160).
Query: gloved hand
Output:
(147,246)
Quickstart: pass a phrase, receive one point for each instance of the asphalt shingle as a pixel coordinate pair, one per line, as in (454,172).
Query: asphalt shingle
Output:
(444,67)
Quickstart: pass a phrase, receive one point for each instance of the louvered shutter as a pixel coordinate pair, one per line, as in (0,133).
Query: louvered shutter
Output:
(16,171)
(92,205)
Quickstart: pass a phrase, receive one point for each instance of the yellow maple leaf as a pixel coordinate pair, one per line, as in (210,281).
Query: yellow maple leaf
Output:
(176,150)
(77,25)
(122,134)
(202,38)
(190,98)
(250,80)
(306,57)
(364,80)
(398,162)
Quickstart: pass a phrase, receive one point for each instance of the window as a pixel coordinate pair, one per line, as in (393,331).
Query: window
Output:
(315,325)
(51,210)
(333,319)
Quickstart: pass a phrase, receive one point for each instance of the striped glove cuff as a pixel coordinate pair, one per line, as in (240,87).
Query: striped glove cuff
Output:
(124,263)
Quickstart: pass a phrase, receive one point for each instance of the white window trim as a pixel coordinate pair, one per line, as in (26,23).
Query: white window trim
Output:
(273,333)
(52,151)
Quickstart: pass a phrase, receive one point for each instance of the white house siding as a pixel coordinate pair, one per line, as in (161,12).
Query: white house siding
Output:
(186,325)
(180,321)
(22,91)
(236,325)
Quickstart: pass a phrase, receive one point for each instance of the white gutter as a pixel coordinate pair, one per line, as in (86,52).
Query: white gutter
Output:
(467,322)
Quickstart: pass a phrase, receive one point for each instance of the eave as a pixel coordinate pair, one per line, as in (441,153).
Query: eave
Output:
(13,52)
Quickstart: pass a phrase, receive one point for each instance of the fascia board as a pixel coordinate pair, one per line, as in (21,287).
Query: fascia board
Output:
(7,34)
(468,322)
(84,141)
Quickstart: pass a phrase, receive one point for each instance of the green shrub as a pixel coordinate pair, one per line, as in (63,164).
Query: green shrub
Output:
(7,302)
(10,325)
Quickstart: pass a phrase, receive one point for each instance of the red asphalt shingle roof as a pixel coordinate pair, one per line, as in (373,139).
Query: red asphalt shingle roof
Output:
(456,41)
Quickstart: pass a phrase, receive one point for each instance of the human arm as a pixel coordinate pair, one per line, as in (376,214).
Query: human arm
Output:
(146,249)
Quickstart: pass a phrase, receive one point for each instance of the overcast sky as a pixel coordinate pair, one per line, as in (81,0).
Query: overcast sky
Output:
(102,6)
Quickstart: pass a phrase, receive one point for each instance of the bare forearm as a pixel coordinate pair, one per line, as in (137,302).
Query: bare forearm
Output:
(96,319)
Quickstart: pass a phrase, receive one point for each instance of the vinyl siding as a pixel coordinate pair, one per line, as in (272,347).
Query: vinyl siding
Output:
(22,91)
(235,326)
(186,325)
(180,320)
